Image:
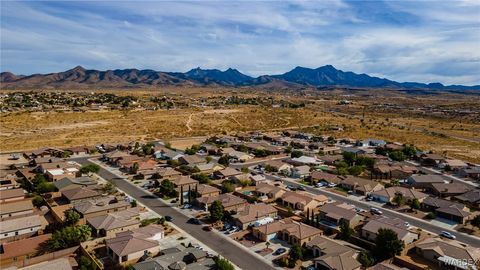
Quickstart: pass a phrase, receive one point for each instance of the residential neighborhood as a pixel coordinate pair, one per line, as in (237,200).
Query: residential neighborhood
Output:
(283,200)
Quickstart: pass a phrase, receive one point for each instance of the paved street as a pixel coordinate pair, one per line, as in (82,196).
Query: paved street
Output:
(426,225)
(242,258)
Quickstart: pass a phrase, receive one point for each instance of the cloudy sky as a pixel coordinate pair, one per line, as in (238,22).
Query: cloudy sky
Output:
(424,41)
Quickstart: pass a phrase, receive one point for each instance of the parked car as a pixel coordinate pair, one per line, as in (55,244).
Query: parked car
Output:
(375,211)
(291,187)
(302,188)
(207,228)
(187,206)
(168,218)
(369,199)
(330,185)
(280,251)
(320,184)
(407,224)
(447,235)
(194,221)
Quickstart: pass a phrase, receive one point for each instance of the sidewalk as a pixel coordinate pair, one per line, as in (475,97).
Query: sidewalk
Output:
(114,171)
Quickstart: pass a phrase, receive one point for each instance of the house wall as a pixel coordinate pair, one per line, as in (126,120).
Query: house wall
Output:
(134,257)
(19,198)
(21,233)
(17,214)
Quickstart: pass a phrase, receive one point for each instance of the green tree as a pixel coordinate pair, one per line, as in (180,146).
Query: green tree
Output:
(399,200)
(223,264)
(296,154)
(349,158)
(387,244)
(224,160)
(85,263)
(415,204)
(365,258)
(68,237)
(409,150)
(269,168)
(202,178)
(45,187)
(167,188)
(476,221)
(71,217)
(38,201)
(133,203)
(296,253)
(89,168)
(345,231)
(227,187)
(109,188)
(397,156)
(356,170)
(216,211)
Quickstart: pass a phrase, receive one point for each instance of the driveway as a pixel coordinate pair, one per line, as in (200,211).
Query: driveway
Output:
(240,257)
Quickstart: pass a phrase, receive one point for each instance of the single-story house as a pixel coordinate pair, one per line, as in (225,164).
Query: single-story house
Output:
(448,254)
(20,228)
(110,224)
(20,250)
(203,190)
(99,207)
(447,209)
(302,201)
(333,215)
(360,185)
(331,255)
(268,192)
(319,176)
(254,214)
(470,198)
(10,195)
(130,246)
(424,181)
(288,230)
(16,209)
(230,202)
(449,189)
(300,171)
(388,194)
(370,229)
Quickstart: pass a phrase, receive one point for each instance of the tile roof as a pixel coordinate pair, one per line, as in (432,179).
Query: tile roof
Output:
(99,204)
(16,206)
(226,199)
(11,193)
(451,248)
(334,255)
(80,193)
(206,189)
(23,247)
(472,196)
(115,220)
(407,193)
(17,224)
(294,228)
(253,212)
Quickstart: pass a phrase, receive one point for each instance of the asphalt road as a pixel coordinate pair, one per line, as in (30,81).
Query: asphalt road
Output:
(465,238)
(225,248)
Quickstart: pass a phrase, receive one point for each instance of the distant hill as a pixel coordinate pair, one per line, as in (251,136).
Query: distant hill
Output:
(297,77)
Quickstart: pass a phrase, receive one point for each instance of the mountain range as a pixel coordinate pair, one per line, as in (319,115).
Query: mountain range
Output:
(325,76)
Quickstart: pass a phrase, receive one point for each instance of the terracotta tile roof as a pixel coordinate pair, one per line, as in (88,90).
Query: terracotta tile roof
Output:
(227,200)
(294,228)
(334,255)
(206,189)
(23,247)
(254,212)
(451,249)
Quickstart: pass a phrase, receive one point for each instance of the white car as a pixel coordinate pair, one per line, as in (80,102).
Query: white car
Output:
(332,185)
(447,235)
(375,211)
(321,184)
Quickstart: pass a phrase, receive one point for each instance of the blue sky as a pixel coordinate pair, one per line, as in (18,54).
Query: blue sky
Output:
(424,41)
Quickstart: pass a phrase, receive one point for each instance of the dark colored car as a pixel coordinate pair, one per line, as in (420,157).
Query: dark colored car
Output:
(279,251)
(207,228)
(168,218)
(301,188)
(194,221)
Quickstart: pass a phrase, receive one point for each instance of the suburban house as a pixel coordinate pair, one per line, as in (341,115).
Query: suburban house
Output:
(360,185)
(331,255)
(20,250)
(203,190)
(57,174)
(10,195)
(386,266)
(20,228)
(431,159)
(130,246)
(333,215)
(192,160)
(255,215)
(178,258)
(184,182)
(302,201)
(449,189)
(304,160)
(81,194)
(370,229)
(447,254)
(452,164)
(268,192)
(278,166)
(237,155)
(72,183)
(110,224)
(99,207)
(470,198)
(389,171)
(320,176)
(288,230)
(226,173)
(425,181)
(167,154)
(258,179)
(388,194)
(42,160)
(209,167)
(447,209)
(230,202)
(300,171)
(470,172)
(167,172)
(16,209)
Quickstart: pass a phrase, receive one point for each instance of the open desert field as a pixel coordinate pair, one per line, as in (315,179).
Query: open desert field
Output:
(29,130)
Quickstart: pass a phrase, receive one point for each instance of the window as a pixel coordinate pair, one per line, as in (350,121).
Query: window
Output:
(16,233)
